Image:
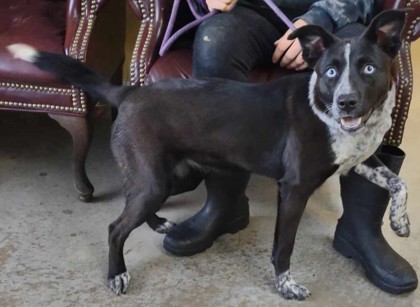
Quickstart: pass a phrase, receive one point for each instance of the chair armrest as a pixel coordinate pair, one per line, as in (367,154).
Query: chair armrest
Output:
(80,17)
(404,69)
(154,17)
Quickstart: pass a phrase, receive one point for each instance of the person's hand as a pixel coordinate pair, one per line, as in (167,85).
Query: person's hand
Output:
(221,5)
(288,53)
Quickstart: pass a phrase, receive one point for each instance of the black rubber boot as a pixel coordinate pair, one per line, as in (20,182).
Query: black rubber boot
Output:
(359,236)
(226,211)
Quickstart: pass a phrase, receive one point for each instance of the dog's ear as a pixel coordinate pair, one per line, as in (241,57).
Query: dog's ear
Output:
(385,30)
(314,41)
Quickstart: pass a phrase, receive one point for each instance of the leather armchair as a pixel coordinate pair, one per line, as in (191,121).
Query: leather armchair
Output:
(147,66)
(89,30)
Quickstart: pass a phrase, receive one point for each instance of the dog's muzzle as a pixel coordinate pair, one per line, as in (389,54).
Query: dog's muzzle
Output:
(353,123)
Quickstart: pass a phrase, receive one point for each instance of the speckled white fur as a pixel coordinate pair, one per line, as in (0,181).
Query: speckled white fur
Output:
(386,179)
(350,149)
(289,289)
(165,227)
(119,283)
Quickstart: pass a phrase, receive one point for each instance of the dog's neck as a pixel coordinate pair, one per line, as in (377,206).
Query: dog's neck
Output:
(350,149)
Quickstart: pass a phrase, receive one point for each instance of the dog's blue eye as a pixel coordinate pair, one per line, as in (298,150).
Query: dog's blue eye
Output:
(369,69)
(331,73)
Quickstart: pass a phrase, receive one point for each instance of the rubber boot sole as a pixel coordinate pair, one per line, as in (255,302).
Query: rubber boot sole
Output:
(348,251)
(236,225)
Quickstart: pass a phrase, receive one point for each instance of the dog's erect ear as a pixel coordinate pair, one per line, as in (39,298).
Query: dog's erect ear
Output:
(385,30)
(314,41)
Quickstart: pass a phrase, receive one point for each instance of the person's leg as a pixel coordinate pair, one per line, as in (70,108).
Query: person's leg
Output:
(228,45)
(358,234)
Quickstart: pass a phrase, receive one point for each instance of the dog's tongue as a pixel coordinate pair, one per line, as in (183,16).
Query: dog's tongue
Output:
(351,122)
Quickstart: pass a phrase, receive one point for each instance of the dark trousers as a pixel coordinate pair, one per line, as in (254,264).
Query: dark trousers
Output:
(230,45)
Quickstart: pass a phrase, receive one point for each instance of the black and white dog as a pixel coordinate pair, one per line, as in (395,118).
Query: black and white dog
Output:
(299,130)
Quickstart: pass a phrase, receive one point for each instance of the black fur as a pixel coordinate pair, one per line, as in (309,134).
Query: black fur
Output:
(79,75)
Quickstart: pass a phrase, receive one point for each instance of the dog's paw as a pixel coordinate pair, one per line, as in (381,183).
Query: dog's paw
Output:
(165,227)
(289,289)
(119,284)
(401,226)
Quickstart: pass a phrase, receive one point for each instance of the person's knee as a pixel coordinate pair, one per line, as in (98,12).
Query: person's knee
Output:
(212,49)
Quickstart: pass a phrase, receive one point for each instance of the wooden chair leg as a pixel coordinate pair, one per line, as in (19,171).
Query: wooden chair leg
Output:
(81,130)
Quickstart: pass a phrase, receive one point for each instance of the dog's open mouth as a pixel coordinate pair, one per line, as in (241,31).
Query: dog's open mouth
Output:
(352,124)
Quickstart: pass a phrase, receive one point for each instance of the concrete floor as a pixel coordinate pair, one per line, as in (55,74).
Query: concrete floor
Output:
(53,248)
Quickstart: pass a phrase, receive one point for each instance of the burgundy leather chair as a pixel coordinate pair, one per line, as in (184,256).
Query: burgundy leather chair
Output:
(89,30)
(147,66)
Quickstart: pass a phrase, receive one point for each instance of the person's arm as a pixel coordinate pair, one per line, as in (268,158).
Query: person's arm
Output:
(334,14)
(330,14)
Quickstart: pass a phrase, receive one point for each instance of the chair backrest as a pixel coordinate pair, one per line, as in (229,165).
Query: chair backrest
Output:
(145,58)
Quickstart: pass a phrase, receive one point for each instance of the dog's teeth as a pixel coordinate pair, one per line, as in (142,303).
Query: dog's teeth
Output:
(351,122)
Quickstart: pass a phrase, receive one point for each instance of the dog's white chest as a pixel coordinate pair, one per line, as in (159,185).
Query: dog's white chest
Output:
(350,150)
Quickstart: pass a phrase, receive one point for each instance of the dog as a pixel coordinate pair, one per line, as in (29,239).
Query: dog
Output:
(297,134)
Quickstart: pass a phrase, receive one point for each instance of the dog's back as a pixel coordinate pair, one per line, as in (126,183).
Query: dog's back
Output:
(221,123)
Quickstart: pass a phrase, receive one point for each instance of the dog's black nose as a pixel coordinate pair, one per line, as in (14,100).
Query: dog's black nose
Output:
(347,102)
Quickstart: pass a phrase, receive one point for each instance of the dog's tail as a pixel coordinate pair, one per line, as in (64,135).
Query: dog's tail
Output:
(70,70)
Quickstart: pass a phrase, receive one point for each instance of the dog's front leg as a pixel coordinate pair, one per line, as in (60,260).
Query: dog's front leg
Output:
(376,172)
(293,201)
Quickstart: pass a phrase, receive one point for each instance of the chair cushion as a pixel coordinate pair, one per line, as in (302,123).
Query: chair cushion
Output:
(40,23)
(178,64)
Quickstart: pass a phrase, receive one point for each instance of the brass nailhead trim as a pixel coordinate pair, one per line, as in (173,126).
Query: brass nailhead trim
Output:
(40,106)
(81,53)
(395,135)
(141,65)
(91,19)
(415,21)
(36,88)
(73,49)
(73,92)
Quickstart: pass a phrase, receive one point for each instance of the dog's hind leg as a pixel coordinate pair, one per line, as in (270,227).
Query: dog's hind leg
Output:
(146,187)
(139,205)
(290,211)
(376,172)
